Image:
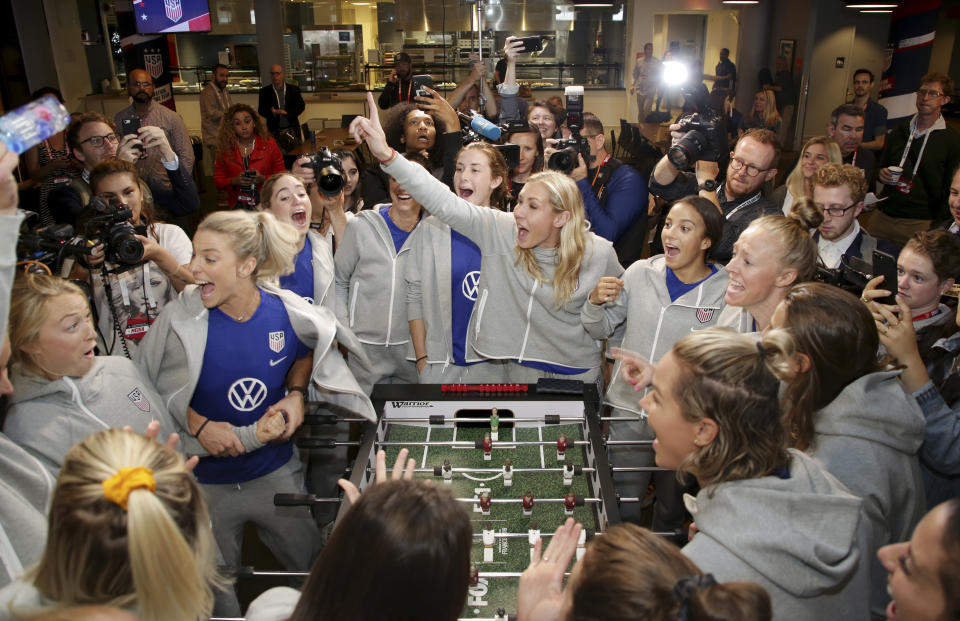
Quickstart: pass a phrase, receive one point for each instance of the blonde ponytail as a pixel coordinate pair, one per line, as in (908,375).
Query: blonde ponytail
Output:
(260,235)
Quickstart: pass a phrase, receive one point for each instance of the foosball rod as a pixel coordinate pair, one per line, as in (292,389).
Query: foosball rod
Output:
(297,500)
(250,572)
(433,470)
(621,419)
(478,443)
(330,419)
(498,535)
(440,419)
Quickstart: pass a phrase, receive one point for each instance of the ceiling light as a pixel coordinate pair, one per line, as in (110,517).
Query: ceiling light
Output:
(878,11)
(864,5)
(741,1)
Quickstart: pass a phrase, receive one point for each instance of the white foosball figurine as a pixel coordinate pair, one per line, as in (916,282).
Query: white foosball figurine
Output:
(507,473)
(561,447)
(568,475)
(533,535)
(488,539)
(582,543)
(447,472)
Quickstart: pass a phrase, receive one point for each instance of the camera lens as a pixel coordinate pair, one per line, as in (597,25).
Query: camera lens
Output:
(330,181)
(123,245)
(563,161)
(688,150)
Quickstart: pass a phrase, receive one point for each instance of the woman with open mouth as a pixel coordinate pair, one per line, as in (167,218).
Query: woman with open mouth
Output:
(770,256)
(62,391)
(658,301)
(370,264)
(236,360)
(764,513)
(288,198)
(538,266)
(443,273)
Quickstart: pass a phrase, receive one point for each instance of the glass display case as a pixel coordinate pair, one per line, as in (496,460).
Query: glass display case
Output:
(193,79)
(536,76)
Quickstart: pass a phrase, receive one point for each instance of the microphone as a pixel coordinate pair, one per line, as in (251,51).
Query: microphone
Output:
(482,126)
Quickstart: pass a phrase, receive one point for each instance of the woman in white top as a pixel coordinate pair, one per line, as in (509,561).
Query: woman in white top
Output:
(816,152)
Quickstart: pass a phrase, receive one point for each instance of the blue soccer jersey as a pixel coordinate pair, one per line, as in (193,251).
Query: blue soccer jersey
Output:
(301,280)
(244,370)
(464,284)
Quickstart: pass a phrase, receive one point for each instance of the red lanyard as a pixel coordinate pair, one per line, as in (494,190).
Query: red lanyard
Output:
(927,315)
(400,89)
(602,164)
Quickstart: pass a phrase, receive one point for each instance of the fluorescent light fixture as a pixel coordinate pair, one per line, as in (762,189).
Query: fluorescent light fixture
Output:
(877,11)
(741,1)
(593,5)
(874,5)
(360,3)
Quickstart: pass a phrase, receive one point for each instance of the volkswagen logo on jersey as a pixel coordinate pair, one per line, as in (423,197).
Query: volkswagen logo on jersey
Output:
(248,393)
(470,285)
(276,341)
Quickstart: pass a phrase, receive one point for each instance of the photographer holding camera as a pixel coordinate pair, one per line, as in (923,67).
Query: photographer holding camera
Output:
(92,138)
(752,163)
(614,195)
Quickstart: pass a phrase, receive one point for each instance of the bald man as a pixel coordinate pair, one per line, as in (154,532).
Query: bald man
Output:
(281,104)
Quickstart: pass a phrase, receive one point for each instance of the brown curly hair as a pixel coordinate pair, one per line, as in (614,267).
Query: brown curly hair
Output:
(832,175)
(227,137)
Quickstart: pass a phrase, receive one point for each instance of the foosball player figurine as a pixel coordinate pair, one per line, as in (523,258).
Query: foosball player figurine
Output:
(507,473)
(447,472)
(528,503)
(485,503)
(501,615)
(568,474)
(582,543)
(569,502)
(488,539)
(494,425)
(561,447)
(474,575)
(533,535)
(487,445)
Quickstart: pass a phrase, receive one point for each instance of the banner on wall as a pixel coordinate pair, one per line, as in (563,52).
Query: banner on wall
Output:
(909,46)
(154,54)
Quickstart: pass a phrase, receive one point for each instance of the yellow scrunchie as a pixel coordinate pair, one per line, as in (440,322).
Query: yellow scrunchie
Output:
(118,487)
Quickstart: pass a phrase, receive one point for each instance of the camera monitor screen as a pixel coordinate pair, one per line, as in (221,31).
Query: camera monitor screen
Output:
(154,16)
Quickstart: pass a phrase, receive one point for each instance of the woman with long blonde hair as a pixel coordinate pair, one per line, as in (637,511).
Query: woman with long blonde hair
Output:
(764,114)
(538,266)
(128,528)
(799,183)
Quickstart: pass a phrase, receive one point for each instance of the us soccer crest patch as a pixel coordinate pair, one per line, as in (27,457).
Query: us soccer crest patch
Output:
(276,341)
(704,314)
(138,399)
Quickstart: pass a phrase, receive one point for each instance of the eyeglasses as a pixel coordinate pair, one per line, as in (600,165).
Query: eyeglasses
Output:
(923,92)
(142,84)
(752,171)
(97,141)
(836,212)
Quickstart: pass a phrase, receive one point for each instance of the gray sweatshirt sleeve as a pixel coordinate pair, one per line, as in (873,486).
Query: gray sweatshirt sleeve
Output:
(475,222)
(941,443)
(9,232)
(413,276)
(344,262)
(600,321)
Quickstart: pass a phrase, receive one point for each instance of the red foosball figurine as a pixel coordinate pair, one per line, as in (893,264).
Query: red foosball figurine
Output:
(569,502)
(528,503)
(561,447)
(487,445)
(485,503)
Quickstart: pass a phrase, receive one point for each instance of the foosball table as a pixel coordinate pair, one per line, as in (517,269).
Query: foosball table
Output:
(522,458)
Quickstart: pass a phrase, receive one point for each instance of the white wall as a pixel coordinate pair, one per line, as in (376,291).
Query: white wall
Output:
(73,74)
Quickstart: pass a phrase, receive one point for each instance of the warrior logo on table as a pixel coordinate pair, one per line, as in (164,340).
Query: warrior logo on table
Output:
(247,394)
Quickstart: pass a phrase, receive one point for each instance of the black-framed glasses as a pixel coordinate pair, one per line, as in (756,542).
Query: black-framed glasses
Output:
(836,212)
(925,92)
(97,141)
(752,171)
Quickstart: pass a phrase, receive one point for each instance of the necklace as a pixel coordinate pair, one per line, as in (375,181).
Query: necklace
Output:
(246,314)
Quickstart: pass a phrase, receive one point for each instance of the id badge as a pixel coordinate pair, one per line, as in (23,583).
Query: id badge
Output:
(137,328)
(904,186)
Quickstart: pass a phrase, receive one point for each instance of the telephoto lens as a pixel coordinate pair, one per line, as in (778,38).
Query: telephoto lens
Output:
(327,172)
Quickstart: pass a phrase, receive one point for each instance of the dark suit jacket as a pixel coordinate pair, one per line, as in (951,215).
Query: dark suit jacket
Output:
(293,104)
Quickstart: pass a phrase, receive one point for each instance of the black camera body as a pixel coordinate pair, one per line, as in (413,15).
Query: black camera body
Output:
(51,244)
(565,158)
(327,172)
(704,139)
(108,221)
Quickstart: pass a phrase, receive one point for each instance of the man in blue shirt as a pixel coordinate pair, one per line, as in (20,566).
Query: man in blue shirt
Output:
(874,114)
(614,195)
(725,78)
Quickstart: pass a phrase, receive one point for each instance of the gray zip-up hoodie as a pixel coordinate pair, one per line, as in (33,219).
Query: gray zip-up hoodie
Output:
(649,321)
(868,437)
(803,539)
(323,271)
(48,417)
(514,317)
(172,355)
(427,276)
(371,294)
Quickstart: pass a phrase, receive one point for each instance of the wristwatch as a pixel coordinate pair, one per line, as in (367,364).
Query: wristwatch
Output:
(710,185)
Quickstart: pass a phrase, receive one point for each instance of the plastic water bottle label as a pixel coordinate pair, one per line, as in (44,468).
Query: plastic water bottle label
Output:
(33,123)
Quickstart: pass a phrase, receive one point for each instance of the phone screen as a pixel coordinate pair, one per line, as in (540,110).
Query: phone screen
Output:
(886,265)
(130,126)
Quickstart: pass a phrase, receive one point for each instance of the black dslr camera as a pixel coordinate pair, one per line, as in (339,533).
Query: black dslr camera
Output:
(704,140)
(327,172)
(51,244)
(108,221)
(565,158)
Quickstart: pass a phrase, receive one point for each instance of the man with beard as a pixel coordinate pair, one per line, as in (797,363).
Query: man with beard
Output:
(214,101)
(399,85)
(846,128)
(874,114)
(151,166)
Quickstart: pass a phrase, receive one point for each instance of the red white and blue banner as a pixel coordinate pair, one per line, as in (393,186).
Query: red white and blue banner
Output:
(908,57)
(158,16)
(154,54)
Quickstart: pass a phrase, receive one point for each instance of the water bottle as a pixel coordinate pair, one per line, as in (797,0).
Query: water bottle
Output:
(33,123)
